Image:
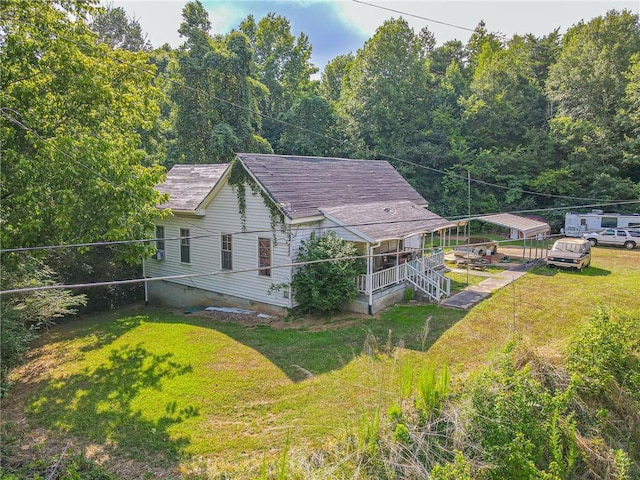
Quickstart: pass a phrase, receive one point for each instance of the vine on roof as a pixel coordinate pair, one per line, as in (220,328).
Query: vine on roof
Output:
(239,178)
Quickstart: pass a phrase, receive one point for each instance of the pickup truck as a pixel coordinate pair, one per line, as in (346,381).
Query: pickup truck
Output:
(477,247)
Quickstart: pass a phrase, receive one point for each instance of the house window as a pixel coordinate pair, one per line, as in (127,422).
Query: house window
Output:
(185,246)
(264,257)
(226,262)
(159,242)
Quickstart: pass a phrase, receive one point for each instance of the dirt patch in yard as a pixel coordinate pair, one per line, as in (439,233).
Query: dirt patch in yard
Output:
(312,323)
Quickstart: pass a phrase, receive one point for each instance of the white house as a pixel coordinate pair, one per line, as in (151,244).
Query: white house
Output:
(236,228)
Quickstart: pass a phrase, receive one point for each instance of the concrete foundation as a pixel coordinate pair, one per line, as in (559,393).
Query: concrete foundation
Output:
(174,295)
(381,300)
(168,294)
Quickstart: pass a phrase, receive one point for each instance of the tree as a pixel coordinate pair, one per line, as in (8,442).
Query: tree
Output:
(72,111)
(385,96)
(327,285)
(316,115)
(629,121)
(588,81)
(116,29)
(283,65)
(73,170)
(588,88)
(217,95)
(506,97)
(333,75)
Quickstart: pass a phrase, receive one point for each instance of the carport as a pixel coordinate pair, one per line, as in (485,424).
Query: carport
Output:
(532,232)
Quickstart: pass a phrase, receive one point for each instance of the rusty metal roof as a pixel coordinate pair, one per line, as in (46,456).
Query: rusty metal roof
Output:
(302,185)
(388,220)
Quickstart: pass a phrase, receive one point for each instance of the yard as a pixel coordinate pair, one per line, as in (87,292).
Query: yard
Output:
(164,392)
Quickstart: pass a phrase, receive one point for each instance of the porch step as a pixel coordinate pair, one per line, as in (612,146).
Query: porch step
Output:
(431,283)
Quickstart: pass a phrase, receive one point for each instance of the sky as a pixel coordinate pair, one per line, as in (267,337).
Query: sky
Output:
(336,27)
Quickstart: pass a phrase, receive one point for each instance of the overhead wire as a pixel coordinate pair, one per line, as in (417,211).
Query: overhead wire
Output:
(315,133)
(415,16)
(390,157)
(295,228)
(192,275)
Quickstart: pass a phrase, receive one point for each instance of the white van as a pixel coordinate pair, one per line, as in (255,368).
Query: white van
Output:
(570,253)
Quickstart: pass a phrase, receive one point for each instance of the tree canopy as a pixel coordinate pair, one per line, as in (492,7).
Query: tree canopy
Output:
(72,115)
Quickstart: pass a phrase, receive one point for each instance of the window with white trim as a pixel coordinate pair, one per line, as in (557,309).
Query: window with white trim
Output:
(185,246)
(159,242)
(264,257)
(226,259)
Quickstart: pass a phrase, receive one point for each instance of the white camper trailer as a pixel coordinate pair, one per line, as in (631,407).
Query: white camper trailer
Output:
(576,224)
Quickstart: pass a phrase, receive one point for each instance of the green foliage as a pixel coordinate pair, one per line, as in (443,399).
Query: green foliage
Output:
(116,29)
(282,65)
(326,285)
(217,115)
(432,391)
(458,469)
(22,316)
(605,352)
(239,179)
(73,112)
(317,118)
(385,93)
(522,420)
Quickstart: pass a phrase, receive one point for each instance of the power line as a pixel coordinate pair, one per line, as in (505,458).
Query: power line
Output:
(397,159)
(62,152)
(200,274)
(298,229)
(175,277)
(321,135)
(415,16)
(550,209)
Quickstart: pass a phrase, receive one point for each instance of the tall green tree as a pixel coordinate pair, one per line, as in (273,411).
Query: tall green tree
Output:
(588,88)
(72,110)
(506,98)
(115,28)
(629,121)
(72,117)
(385,96)
(217,97)
(310,127)
(588,81)
(283,65)
(333,75)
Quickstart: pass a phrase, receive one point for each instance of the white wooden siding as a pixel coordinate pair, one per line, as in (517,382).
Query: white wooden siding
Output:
(342,232)
(414,241)
(222,216)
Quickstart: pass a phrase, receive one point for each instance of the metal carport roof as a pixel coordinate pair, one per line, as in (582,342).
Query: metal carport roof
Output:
(528,227)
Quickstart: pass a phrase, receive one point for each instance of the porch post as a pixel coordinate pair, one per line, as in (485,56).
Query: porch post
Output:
(369,274)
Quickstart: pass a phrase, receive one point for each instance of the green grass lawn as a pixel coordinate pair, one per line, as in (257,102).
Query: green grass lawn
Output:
(163,388)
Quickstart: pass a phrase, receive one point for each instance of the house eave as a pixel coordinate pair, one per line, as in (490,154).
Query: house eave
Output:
(349,228)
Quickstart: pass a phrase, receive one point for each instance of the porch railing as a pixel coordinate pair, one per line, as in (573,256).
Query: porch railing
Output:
(400,273)
(431,282)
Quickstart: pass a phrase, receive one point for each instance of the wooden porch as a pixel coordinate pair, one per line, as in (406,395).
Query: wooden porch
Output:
(422,272)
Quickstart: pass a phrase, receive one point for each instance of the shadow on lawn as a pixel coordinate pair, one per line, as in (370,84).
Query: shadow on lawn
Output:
(97,404)
(301,353)
(589,271)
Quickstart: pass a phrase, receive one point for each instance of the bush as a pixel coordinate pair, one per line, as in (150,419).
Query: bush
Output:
(22,315)
(327,285)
